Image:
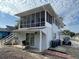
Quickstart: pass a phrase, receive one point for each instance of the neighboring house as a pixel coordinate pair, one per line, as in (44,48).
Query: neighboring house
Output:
(39,26)
(6,31)
(3,33)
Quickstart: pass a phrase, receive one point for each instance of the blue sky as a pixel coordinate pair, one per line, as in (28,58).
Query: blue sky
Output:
(6,19)
(68,9)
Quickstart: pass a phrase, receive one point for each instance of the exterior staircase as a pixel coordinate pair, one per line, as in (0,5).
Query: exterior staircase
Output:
(8,38)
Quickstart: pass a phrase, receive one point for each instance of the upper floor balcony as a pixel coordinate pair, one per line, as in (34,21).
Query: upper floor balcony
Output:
(35,20)
(38,17)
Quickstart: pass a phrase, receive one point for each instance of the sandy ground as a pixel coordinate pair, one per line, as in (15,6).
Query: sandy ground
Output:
(74,52)
(75,44)
(15,53)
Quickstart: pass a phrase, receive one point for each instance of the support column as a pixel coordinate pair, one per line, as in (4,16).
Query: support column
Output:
(45,17)
(40,43)
(19,23)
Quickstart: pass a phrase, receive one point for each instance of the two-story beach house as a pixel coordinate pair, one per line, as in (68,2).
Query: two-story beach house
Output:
(39,26)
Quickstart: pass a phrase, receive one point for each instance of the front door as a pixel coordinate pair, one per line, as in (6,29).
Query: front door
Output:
(30,39)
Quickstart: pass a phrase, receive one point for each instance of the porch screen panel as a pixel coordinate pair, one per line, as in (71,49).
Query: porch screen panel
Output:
(37,19)
(23,22)
(42,21)
(49,18)
(28,21)
(33,20)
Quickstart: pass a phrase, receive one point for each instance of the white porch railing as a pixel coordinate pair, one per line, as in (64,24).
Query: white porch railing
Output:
(8,38)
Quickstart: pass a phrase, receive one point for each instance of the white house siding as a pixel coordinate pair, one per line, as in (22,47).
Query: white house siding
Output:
(56,31)
(50,31)
(49,34)
(37,40)
(44,42)
(21,37)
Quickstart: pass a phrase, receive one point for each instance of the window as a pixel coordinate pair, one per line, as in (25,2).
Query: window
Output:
(49,18)
(38,24)
(23,22)
(33,20)
(42,23)
(37,17)
(28,21)
(42,16)
(30,39)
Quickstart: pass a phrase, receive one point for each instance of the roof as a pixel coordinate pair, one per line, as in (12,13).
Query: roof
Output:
(8,29)
(3,29)
(46,7)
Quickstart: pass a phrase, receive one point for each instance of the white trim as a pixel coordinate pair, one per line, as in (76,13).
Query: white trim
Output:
(45,17)
(40,45)
(32,28)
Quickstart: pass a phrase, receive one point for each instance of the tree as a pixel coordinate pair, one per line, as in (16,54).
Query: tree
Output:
(67,32)
(17,24)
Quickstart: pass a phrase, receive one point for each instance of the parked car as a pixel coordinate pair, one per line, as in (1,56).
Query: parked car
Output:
(66,41)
